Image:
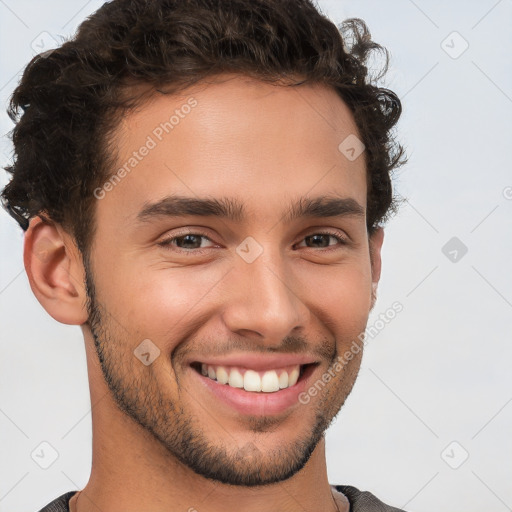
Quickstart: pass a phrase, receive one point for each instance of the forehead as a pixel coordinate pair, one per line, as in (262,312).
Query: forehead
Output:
(235,136)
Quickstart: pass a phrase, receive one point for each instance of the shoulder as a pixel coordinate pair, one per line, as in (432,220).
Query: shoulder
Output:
(363,501)
(60,504)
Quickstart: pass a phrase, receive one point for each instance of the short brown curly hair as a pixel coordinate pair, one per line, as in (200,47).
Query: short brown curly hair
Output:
(69,100)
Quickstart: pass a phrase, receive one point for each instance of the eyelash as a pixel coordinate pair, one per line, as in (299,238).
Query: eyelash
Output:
(168,241)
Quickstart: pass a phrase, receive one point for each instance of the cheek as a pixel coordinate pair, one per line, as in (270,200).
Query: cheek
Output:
(162,301)
(159,301)
(355,295)
(342,299)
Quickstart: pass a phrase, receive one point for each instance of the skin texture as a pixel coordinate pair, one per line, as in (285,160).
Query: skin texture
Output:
(160,441)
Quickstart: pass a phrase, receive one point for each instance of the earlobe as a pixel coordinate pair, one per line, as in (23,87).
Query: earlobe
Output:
(55,271)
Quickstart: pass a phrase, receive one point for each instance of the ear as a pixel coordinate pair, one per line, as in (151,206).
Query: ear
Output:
(55,272)
(375,242)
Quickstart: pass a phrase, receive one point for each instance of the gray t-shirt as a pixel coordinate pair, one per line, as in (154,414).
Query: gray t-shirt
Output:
(360,501)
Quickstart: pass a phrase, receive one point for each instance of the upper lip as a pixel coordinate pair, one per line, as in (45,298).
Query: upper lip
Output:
(258,361)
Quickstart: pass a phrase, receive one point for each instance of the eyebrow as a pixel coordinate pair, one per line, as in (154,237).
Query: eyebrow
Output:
(232,209)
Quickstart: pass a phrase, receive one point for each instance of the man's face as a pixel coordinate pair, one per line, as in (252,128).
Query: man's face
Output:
(236,291)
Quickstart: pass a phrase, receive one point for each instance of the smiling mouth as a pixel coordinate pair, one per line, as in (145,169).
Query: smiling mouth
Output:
(268,381)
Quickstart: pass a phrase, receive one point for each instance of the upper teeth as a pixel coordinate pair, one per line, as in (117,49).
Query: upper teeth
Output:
(250,380)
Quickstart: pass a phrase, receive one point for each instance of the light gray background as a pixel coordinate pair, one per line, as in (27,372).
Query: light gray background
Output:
(438,373)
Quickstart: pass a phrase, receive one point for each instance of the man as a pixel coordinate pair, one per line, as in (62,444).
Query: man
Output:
(202,186)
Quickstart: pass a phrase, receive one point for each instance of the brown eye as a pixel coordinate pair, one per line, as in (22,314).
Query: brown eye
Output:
(187,242)
(319,240)
(322,240)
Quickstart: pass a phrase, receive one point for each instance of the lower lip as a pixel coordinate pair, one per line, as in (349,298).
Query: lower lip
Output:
(258,403)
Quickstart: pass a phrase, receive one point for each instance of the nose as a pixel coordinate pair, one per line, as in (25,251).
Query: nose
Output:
(264,302)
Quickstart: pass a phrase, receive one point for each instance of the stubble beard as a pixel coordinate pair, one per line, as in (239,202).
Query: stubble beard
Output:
(184,436)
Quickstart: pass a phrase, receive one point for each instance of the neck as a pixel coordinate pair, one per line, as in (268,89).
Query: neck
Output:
(340,502)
